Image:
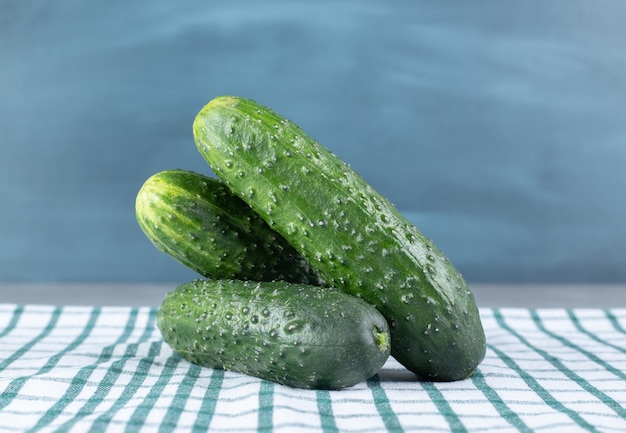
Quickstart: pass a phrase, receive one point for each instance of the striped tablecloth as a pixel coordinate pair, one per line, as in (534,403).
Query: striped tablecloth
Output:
(86,369)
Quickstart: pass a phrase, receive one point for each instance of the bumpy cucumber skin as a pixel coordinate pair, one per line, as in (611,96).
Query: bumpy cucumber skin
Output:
(199,222)
(352,235)
(293,334)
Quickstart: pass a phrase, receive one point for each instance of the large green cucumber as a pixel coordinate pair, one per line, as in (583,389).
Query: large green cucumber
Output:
(355,238)
(202,224)
(297,335)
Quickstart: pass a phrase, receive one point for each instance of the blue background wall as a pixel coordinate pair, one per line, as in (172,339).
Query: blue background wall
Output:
(499,128)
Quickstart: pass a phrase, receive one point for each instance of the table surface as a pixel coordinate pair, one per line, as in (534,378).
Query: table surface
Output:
(89,357)
(151,294)
(107,369)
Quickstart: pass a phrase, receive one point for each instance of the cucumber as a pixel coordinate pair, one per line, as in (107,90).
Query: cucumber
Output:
(202,224)
(293,334)
(357,240)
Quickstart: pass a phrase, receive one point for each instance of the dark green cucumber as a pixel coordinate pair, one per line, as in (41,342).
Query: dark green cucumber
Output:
(355,238)
(297,335)
(202,224)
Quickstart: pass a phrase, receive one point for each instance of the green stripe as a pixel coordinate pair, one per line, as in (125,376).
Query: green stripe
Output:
(115,370)
(383,406)
(24,349)
(543,393)
(444,407)
(325,410)
(17,384)
(105,385)
(591,335)
(138,418)
(139,375)
(80,379)
(478,379)
(532,382)
(209,401)
(14,319)
(103,388)
(176,407)
(614,321)
(266,401)
(604,398)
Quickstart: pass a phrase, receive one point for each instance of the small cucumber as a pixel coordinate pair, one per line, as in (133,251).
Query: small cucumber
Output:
(356,239)
(293,334)
(202,224)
